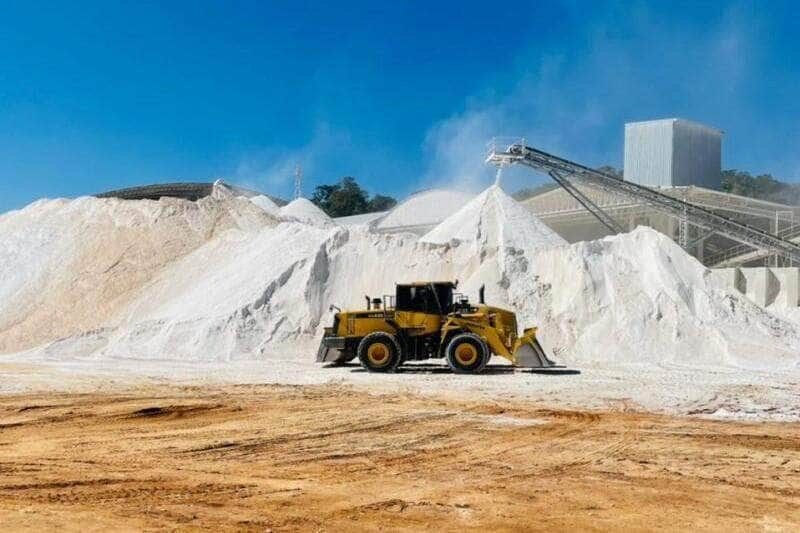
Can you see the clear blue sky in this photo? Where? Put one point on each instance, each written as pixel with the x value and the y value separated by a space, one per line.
pixel 402 95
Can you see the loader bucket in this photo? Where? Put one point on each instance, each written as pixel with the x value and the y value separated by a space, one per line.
pixel 529 353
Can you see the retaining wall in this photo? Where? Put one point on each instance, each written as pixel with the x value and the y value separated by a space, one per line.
pixel 764 285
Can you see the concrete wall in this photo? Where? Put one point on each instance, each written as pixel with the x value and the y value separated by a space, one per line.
pixel 789 281
pixel 765 286
pixel 761 285
pixel 731 278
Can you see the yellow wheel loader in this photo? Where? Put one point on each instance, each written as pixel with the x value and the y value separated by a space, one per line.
pixel 425 320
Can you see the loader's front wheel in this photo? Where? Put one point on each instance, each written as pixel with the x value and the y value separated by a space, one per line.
pixel 467 353
pixel 380 352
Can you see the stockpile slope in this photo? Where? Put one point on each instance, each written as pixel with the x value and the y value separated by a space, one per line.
pixel 639 298
pixel 246 292
pixel 305 211
pixel 68 265
pixel 633 298
pixel 266 203
pixel 495 220
pixel 424 208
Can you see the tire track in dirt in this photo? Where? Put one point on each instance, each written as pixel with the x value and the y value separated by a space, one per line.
pixel 259 457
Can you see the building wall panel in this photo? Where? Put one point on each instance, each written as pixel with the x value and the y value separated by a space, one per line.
pixel 673 152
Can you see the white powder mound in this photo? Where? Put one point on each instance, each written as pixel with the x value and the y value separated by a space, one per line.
pixel 67 266
pixel 243 293
pixel 494 219
pixel 792 314
pixel 425 208
pixel 229 298
pixel 639 298
pixel 359 220
pixel 266 203
pixel 305 211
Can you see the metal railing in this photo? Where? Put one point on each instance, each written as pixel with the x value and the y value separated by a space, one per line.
pixel 747 252
pixel 502 152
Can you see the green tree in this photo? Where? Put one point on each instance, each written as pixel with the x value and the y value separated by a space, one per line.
pixel 380 202
pixel 322 196
pixel 764 187
pixel 348 198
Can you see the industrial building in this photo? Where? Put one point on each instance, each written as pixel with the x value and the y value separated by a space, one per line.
pixel 185 190
pixel 571 220
pixel 682 159
pixel 673 152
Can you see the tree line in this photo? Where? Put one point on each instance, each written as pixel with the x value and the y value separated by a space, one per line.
pixel 348 198
pixel 763 187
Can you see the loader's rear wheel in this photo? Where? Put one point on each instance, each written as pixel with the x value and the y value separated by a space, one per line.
pixel 467 353
pixel 380 352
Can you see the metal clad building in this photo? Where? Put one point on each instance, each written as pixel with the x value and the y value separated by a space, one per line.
pixel 673 152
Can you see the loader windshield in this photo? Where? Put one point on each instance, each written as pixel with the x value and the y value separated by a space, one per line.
pixel 434 298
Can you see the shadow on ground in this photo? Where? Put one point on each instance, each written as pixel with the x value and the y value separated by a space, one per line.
pixel 432 368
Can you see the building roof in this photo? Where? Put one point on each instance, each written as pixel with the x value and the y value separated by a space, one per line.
pixel 674 120
pixel 185 190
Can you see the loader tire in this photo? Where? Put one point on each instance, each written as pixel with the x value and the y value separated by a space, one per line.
pixel 467 353
pixel 380 352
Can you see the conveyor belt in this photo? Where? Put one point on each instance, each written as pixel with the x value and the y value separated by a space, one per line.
pixel 501 153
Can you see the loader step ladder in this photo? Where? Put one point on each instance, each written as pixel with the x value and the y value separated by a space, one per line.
pixel 567 173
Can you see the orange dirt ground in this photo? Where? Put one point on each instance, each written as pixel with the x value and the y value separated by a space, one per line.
pixel 330 458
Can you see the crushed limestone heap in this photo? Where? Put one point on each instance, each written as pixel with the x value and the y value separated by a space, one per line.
pixel 494 219
pixel 422 210
pixel 305 211
pixel 222 279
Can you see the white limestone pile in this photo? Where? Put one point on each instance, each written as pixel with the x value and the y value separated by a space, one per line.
pixel 66 266
pixel 220 280
pixel 494 219
pixel 640 298
pixel 228 299
pixel 305 211
pixel 424 208
pixel 636 297
pixel 266 203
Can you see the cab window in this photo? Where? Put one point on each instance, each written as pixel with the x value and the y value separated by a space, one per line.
pixel 412 298
pixel 422 299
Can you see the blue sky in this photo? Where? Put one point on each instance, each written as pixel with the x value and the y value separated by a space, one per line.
pixel 402 95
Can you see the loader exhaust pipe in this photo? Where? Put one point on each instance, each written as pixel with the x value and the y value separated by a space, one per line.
pixel 481 294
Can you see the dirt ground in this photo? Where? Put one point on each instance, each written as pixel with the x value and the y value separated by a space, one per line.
pixel 331 458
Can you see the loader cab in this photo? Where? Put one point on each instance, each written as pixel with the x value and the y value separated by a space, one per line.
pixel 434 298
